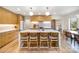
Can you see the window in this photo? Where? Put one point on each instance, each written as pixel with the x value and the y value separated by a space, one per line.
pixel 73 23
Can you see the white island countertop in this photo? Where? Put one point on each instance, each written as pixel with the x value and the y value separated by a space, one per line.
pixel 39 30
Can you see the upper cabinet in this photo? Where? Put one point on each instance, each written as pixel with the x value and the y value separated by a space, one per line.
pixel 20 17
pixel 40 18
pixel 53 24
pixel 7 17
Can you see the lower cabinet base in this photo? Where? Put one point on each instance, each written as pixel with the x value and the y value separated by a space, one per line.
pixel 7 37
pixel 6 44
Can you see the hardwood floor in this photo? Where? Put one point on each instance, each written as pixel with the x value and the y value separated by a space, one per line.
pixel 13 47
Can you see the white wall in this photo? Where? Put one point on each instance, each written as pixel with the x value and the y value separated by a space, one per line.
pixel 65 23
pixel 27 22
pixel 21 25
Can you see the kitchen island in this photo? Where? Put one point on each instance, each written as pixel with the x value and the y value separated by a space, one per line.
pixel 39 38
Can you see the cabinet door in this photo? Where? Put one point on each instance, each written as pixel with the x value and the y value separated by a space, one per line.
pixel 7 37
pixel 53 24
pixel 0 40
pixel 7 17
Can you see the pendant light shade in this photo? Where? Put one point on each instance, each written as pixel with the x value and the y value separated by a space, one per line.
pixel 47 12
pixel 31 13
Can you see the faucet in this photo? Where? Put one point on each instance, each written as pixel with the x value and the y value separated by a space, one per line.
pixel 42 28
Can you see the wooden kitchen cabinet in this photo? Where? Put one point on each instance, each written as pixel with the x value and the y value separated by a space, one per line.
pixel 7 37
pixel 53 24
pixel 7 17
pixel 40 18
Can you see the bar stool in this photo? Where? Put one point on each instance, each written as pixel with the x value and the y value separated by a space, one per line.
pixel 43 36
pixel 53 40
pixel 44 40
pixel 33 40
pixel 53 36
pixel 24 36
pixel 24 40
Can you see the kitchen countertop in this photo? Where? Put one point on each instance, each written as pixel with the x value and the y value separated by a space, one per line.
pixel 7 27
pixel 39 30
pixel 2 31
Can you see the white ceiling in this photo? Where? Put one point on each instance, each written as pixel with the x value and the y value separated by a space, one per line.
pixel 54 10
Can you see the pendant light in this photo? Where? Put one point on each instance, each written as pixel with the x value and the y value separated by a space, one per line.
pixel 31 13
pixel 47 12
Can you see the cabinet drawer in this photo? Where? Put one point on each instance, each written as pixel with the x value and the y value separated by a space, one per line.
pixel 7 37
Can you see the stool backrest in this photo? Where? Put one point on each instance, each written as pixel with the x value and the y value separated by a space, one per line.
pixel 24 34
pixel 44 34
pixel 33 34
pixel 54 34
